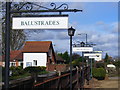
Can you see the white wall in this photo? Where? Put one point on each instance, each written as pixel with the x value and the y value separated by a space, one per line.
pixel 96 56
pixel 40 57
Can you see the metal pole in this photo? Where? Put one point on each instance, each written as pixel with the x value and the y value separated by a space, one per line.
pixel 82 69
pixel 7 45
pixel 86 38
pixel 91 69
pixel 70 62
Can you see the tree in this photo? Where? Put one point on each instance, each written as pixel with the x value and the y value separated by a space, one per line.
pixel 106 59
pixel 17 37
pixel 75 56
pixel 65 56
pixel 117 64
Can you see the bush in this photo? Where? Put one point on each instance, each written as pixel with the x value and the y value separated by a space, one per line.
pixel 100 65
pixel 43 68
pixel 33 69
pixel 16 71
pixel 99 73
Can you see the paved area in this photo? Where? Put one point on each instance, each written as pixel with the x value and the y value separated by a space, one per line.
pixel 111 82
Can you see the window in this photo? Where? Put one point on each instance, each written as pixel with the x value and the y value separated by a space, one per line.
pixel 35 62
pixel 13 64
pixel 21 64
pixel 28 64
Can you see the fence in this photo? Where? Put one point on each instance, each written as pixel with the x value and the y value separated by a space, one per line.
pixel 63 80
pixel 57 80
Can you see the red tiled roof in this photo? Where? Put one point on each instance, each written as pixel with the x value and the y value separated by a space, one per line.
pixel 19 56
pixel 36 46
pixel 13 54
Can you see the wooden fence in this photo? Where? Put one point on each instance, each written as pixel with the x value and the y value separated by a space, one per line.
pixel 63 80
pixel 57 80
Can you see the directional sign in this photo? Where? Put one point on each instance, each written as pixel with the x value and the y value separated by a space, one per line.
pixel 96 56
pixel 82 49
pixel 40 22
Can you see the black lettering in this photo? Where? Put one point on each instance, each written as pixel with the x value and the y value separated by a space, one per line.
pixel 22 23
pixel 42 22
pixel 46 23
pixel 57 23
pixel 36 23
pixel 26 23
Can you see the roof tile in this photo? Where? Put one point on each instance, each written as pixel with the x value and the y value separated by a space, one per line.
pixel 36 46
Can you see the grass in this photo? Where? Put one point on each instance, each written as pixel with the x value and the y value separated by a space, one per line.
pixel 27 74
pixel 43 72
pixel 20 76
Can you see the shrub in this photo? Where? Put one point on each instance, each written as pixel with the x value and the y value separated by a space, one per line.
pixel 99 65
pixel 33 69
pixel 12 68
pixel 99 73
pixel 43 68
pixel 16 71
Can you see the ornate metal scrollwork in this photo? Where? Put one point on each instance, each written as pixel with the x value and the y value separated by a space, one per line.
pixel 30 6
pixel 65 6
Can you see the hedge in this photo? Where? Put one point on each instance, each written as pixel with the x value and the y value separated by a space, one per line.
pixel 34 69
pixel 99 73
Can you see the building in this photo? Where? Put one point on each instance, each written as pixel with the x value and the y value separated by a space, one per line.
pixel 33 53
pixel 13 60
pixel 38 53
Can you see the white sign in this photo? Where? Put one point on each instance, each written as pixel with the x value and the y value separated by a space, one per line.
pixel 82 49
pixel 40 22
pixel 96 56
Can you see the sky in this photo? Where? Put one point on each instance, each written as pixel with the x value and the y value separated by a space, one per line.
pixel 99 20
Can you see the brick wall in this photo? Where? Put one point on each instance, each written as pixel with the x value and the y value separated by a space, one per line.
pixel 57 67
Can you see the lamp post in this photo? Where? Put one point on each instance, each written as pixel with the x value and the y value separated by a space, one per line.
pixel 71 32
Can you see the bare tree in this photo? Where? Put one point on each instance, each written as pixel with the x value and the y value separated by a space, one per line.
pixel 17 37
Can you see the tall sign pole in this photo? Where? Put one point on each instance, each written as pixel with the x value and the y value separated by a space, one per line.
pixel 7 45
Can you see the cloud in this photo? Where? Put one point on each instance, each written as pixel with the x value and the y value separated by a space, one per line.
pixel 61 45
pixel 62 35
pixel 115 27
pixel 39 35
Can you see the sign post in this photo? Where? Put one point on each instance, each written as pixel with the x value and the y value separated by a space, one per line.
pixel 29 7
pixel 7 45
pixel 82 49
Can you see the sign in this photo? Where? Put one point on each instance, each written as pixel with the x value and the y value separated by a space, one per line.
pixel 96 56
pixel 82 49
pixel 40 22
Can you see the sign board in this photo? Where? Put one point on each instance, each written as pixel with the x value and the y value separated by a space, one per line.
pixel 96 56
pixel 40 22
pixel 82 49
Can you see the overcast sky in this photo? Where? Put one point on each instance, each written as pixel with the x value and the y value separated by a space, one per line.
pixel 99 20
